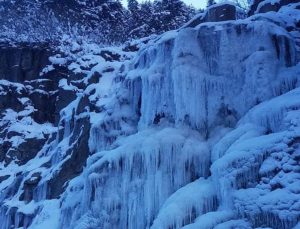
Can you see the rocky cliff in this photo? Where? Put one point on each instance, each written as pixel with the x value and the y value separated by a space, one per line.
pixel 197 128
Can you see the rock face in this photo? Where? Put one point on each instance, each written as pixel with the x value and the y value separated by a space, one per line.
pixel 215 13
pixel 262 6
pixel 186 131
pixel 223 12
pixel 23 63
pixel 27 101
pixel 214 73
pixel 45 125
pixel 191 79
pixel 31 101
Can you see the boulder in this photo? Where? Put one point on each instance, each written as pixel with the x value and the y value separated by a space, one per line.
pixel 221 12
pixel 215 13
pixel 263 6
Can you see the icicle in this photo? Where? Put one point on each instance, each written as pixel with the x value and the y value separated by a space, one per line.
pixel 131 182
pixel 40 192
pixel 186 204
pixel 211 219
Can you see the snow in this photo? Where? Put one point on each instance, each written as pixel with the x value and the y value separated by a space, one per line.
pixel 24 125
pixel 17 86
pixel 200 80
pixel 63 83
pixel 190 132
pixel 228 141
pixel 48 216
pixel 267 155
pixel 138 161
pixel 57 60
pixel 195 198
pixel 234 224
pixel 271 113
pixel 211 219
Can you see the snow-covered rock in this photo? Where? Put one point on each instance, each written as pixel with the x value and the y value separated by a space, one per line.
pixel 192 77
pixel 198 128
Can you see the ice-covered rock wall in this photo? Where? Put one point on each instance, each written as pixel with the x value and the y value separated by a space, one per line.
pixel 46 124
pixel 198 129
pixel 213 74
pixel 199 81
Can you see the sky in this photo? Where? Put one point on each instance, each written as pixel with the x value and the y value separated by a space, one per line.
pixel 195 3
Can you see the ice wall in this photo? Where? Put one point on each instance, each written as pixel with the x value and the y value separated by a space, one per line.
pixel 212 74
pixel 199 130
pixel 258 174
pixel 187 88
pixel 182 87
pixel 130 183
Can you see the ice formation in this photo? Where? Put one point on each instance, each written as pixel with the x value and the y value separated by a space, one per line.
pixel 192 131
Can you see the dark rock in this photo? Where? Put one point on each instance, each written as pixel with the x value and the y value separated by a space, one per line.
pixel 110 56
pixel 131 47
pixel 13 134
pixel 4 148
pixel 269 7
pixel 13 188
pixel 44 103
pixel 227 116
pixel 78 156
pixel 59 72
pixel 34 180
pixel 158 118
pixel 262 6
pixel 215 13
pixel 65 124
pixel 23 62
pixel 222 12
pixel 25 151
pixel 83 104
pixel 94 78
pixel 10 100
pixel 3 178
pixel 254 6
pixel 64 98
pixel 42 84
pixel 87 68
pixel 29 186
pixel 24 220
